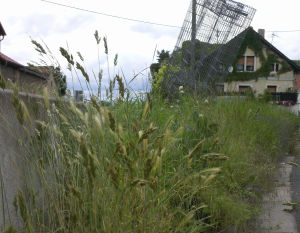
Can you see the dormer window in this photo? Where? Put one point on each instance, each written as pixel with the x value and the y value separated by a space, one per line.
pixel 240 65
pixel 274 67
pixel 246 63
pixel 250 63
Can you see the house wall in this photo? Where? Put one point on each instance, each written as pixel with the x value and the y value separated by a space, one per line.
pixel 51 85
pixel 27 82
pixel 282 81
pixel 260 85
pixel 297 82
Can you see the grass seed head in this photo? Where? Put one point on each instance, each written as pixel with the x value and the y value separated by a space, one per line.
pixel 83 72
pixel 105 45
pixel 121 86
pixel 80 56
pixel 112 122
pixel 38 47
pixel 116 60
pixel 96 35
pixel 2 82
pixel 67 56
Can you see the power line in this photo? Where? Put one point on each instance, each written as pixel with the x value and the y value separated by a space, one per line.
pixel 283 31
pixel 136 20
pixel 109 15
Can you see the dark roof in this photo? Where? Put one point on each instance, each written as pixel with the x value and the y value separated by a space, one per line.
pixel 2 32
pixel 280 54
pixel 274 49
pixel 6 58
pixel 7 61
pixel 243 34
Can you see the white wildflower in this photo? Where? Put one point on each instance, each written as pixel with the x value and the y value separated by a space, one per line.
pixel 181 88
pixel 141 132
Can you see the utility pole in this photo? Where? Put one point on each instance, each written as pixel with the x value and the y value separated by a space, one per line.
pixel 193 36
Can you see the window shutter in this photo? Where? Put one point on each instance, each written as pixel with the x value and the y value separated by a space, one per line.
pixel 250 61
pixel 241 61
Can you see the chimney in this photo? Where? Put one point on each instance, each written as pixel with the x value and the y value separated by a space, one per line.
pixel 262 32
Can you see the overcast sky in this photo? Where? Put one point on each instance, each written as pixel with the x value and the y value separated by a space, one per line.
pixel 134 42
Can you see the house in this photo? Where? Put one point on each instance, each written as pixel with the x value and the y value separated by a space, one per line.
pixel 259 66
pixel 29 80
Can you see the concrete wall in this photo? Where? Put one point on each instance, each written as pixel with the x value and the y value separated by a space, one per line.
pixel 12 157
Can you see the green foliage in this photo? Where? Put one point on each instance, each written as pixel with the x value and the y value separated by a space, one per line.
pixel 158 79
pixel 266 96
pixel 148 166
pixel 297 62
pixel 2 82
pixel 60 80
pixel 162 58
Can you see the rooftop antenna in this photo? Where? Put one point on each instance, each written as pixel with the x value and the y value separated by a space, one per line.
pixel 210 37
pixel 273 36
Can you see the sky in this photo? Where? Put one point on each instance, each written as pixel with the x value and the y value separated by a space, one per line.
pixel 135 43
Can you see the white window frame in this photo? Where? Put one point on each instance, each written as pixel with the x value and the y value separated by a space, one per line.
pixel 245 64
pixel 275 85
pixel 274 71
pixel 245 85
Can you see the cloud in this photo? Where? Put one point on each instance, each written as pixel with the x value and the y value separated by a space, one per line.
pixel 156 32
pixel 44 25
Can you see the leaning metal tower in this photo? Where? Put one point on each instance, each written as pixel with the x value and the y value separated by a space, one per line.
pixel 208 43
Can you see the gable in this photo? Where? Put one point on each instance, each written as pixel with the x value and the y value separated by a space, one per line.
pixel 266 56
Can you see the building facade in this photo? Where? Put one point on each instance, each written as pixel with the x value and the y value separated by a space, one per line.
pixel 28 79
pixel 261 66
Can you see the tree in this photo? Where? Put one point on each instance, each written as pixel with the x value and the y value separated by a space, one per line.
pixel 162 57
pixel 60 80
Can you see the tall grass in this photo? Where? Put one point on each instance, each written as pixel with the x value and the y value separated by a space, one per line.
pixel 148 165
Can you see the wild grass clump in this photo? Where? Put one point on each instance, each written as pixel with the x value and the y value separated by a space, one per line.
pixel 148 166
pixel 145 164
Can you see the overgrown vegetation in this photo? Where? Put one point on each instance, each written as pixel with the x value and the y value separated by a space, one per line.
pixel 146 164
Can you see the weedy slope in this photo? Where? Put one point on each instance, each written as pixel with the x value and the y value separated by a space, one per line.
pixel 149 166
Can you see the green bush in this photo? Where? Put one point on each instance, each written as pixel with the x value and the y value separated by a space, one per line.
pixel 266 96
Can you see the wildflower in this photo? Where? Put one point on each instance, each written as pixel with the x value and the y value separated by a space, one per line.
pixel 181 88
pixel 171 106
pixel 182 92
pixel 206 101
pixel 201 115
